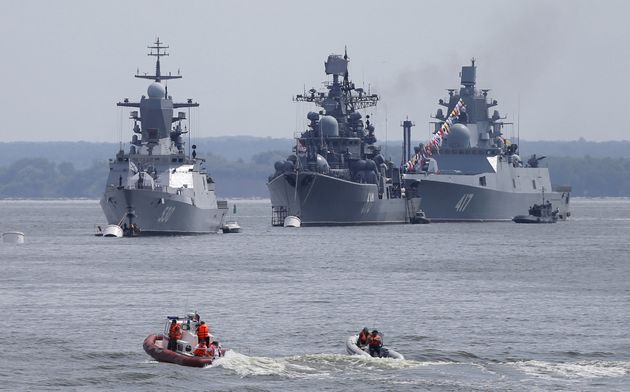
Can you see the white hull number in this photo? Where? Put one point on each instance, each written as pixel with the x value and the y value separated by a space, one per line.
pixel 464 202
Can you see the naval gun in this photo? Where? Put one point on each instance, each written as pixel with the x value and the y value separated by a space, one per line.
pixel 533 160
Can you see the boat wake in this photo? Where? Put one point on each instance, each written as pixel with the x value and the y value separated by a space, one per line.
pixel 311 365
pixel 574 370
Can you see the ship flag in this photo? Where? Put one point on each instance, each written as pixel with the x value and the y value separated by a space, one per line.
pixel 438 137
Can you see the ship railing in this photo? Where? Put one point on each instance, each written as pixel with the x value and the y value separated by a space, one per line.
pixel 450 172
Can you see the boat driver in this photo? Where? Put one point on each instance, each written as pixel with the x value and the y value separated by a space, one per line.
pixel 375 344
pixel 203 333
pixel 174 334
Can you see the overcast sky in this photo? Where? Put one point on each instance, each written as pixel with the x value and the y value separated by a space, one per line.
pixel 65 64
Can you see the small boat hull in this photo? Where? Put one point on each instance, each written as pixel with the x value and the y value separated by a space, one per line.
pixel 292 221
pixel 231 227
pixel 13 237
pixel 113 231
pixel 420 218
pixel 157 352
pixel 534 219
pixel 353 349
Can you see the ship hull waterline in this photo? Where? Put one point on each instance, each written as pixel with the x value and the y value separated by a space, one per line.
pixel 160 213
pixel 454 202
pixel 322 200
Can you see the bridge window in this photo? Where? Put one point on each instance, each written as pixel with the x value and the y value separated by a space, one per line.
pixel 482 180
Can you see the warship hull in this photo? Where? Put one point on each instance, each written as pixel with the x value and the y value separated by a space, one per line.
pixel 445 199
pixel 156 212
pixel 322 200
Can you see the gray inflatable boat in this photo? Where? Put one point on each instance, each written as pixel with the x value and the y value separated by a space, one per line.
pixel 353 349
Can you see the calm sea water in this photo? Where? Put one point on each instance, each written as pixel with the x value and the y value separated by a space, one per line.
pixel 473 307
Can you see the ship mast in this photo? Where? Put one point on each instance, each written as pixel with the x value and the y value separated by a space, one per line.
pixel 160 50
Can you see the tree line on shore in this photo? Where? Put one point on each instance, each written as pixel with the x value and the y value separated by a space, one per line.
pixel 43 178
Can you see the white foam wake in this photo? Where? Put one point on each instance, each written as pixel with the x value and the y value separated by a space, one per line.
pixel 574 370
pixel 311 365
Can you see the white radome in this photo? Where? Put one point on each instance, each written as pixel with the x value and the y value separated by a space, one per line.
pixel 156 90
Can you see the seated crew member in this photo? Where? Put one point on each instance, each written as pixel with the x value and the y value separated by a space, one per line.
pixel 203 333
pixel 201 350
pixel 364 337
pixel 375 344
pixel 174 334
pixel 216 348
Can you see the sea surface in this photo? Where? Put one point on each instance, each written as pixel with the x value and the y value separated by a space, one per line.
pixel 472 307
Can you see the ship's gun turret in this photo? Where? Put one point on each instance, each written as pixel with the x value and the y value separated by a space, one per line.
pixel 533 160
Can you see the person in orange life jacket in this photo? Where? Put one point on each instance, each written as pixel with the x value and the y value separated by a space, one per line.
pixel 203 333
pixel 201 350
pixel 364 337
pixel 174 333
pixel 375 343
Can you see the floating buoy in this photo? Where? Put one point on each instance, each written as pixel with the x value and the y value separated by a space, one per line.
pixel 292 221
pixel 13 237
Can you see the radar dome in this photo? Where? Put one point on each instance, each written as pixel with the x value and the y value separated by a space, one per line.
pixel 322 164
pixel 329 126
pixel 156 90
pixel 355 116
pixel 459 136
pixel 313 116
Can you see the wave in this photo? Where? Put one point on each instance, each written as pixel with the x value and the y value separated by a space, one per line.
pixel 311 365
pixel 574 370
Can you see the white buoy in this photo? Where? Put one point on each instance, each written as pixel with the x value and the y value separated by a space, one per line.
pixel 13 237
pixel 292 221
pixel 113 231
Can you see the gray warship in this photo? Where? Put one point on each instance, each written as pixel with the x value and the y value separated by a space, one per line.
pixel 476 174
pixel 157 187
pixel 338 175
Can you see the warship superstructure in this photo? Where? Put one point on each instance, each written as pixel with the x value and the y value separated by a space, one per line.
pixel 156 187
pixel 338 175
pixel 473 172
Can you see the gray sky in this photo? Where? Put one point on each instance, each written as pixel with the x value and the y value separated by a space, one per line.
pixel 66 63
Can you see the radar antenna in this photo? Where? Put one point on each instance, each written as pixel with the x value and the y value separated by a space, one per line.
pixel 337 66
pixel 160 50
